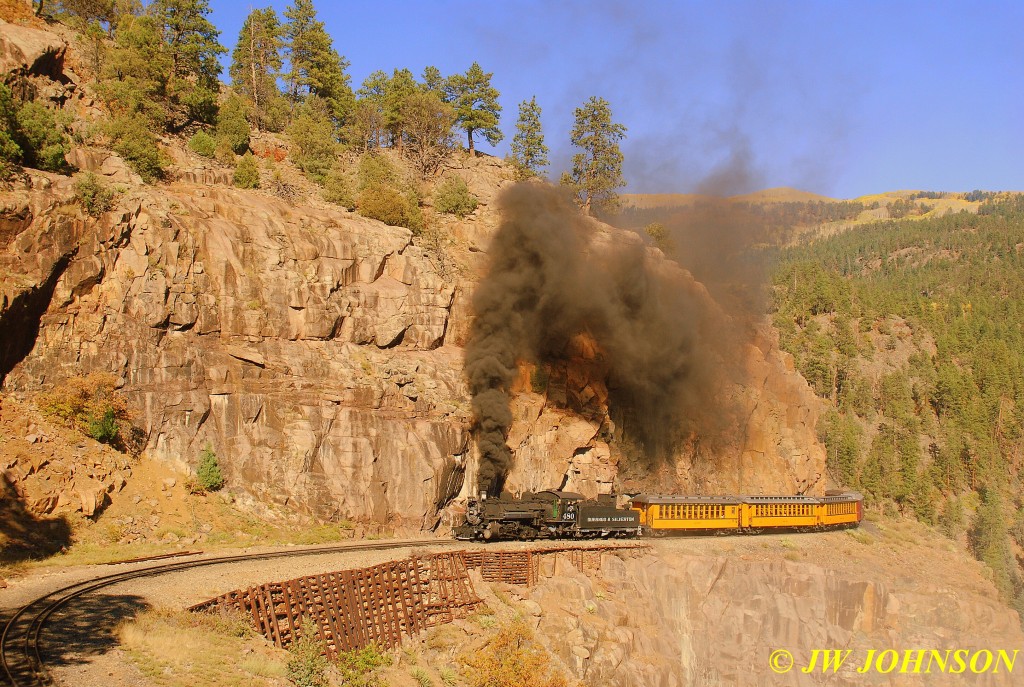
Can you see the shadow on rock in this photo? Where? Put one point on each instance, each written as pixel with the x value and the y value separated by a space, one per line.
pixel 23 536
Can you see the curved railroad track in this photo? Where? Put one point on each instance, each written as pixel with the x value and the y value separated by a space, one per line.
pixel 21 647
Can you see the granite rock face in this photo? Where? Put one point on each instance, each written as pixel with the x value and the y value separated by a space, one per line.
pixel 25 50
pixel 675 619
pixel 305 346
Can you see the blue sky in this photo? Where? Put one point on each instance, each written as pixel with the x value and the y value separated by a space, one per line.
pixel 839 98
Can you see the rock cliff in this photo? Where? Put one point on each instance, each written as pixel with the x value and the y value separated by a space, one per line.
pixel 712 613
pixel 305 345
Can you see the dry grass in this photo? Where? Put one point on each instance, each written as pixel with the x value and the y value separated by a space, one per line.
pixel 512 658
pixel 179 649
pixel 445 638
pixel 861 537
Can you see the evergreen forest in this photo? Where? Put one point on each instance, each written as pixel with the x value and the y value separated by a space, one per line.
pixel 913 331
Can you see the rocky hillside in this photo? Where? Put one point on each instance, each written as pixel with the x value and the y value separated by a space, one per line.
pixel 316 352
pixel 713 611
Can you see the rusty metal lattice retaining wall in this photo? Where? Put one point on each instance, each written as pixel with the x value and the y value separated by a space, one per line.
pixel 350 609
pixel 523 567
pixel 511 567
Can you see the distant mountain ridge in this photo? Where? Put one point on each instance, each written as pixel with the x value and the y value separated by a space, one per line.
pixel 780 194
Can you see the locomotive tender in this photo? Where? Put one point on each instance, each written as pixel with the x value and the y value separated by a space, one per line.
pixel 555 514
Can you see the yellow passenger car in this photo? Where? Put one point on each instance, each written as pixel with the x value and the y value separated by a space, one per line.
pixel 838 508
pixel 766 512
pixel 662 514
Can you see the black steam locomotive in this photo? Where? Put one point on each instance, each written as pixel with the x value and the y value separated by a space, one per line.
pixel 547 515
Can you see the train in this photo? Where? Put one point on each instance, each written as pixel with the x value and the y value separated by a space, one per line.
pixel 556 514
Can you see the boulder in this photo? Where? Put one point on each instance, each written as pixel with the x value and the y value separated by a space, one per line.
pixel 28 51
pixel 92 494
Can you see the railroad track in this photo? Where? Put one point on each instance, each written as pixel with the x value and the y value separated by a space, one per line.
pixel 22 652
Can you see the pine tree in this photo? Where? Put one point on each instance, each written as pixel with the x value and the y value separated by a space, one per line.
pixel 476 104
pixel 314 148
pixel 136 74
pixel 990 543
pixel 315 67
pixel 428 131
pixel 365 130
pixel 191 41
pixel 91 10
pixel 434 82
pixel 398 90
pixel 529 154
pixel 388 96
pixel 256 61
pixel 597 170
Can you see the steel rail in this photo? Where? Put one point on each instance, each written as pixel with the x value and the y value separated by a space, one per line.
pixel 31 637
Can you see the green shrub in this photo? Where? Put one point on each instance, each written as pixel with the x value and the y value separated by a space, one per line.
pixel 203 144
pixel 104 429
pixel 93 195
pixel 337 189
pixel 199 103
pixel 452 197
pixel 307 665
pixel 414 215
pixel 314 144
pixel 134 141
pixel 91 405
pixel 10 151
pixel 375 170
pixel 208 475
pixel 225 154
pixel 247 173
pixel 42 140
pixel 386 204
pixel 512 658
pixel 233 124
pixel 421 677
pixel 276 113
pixel 357 666
pixel 1017 527
pixel 660 236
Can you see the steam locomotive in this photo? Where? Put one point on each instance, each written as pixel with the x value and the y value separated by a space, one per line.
pixel 549 514
pixel 557 514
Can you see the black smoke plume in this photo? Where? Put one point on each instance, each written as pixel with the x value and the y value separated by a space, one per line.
pixel 555 274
